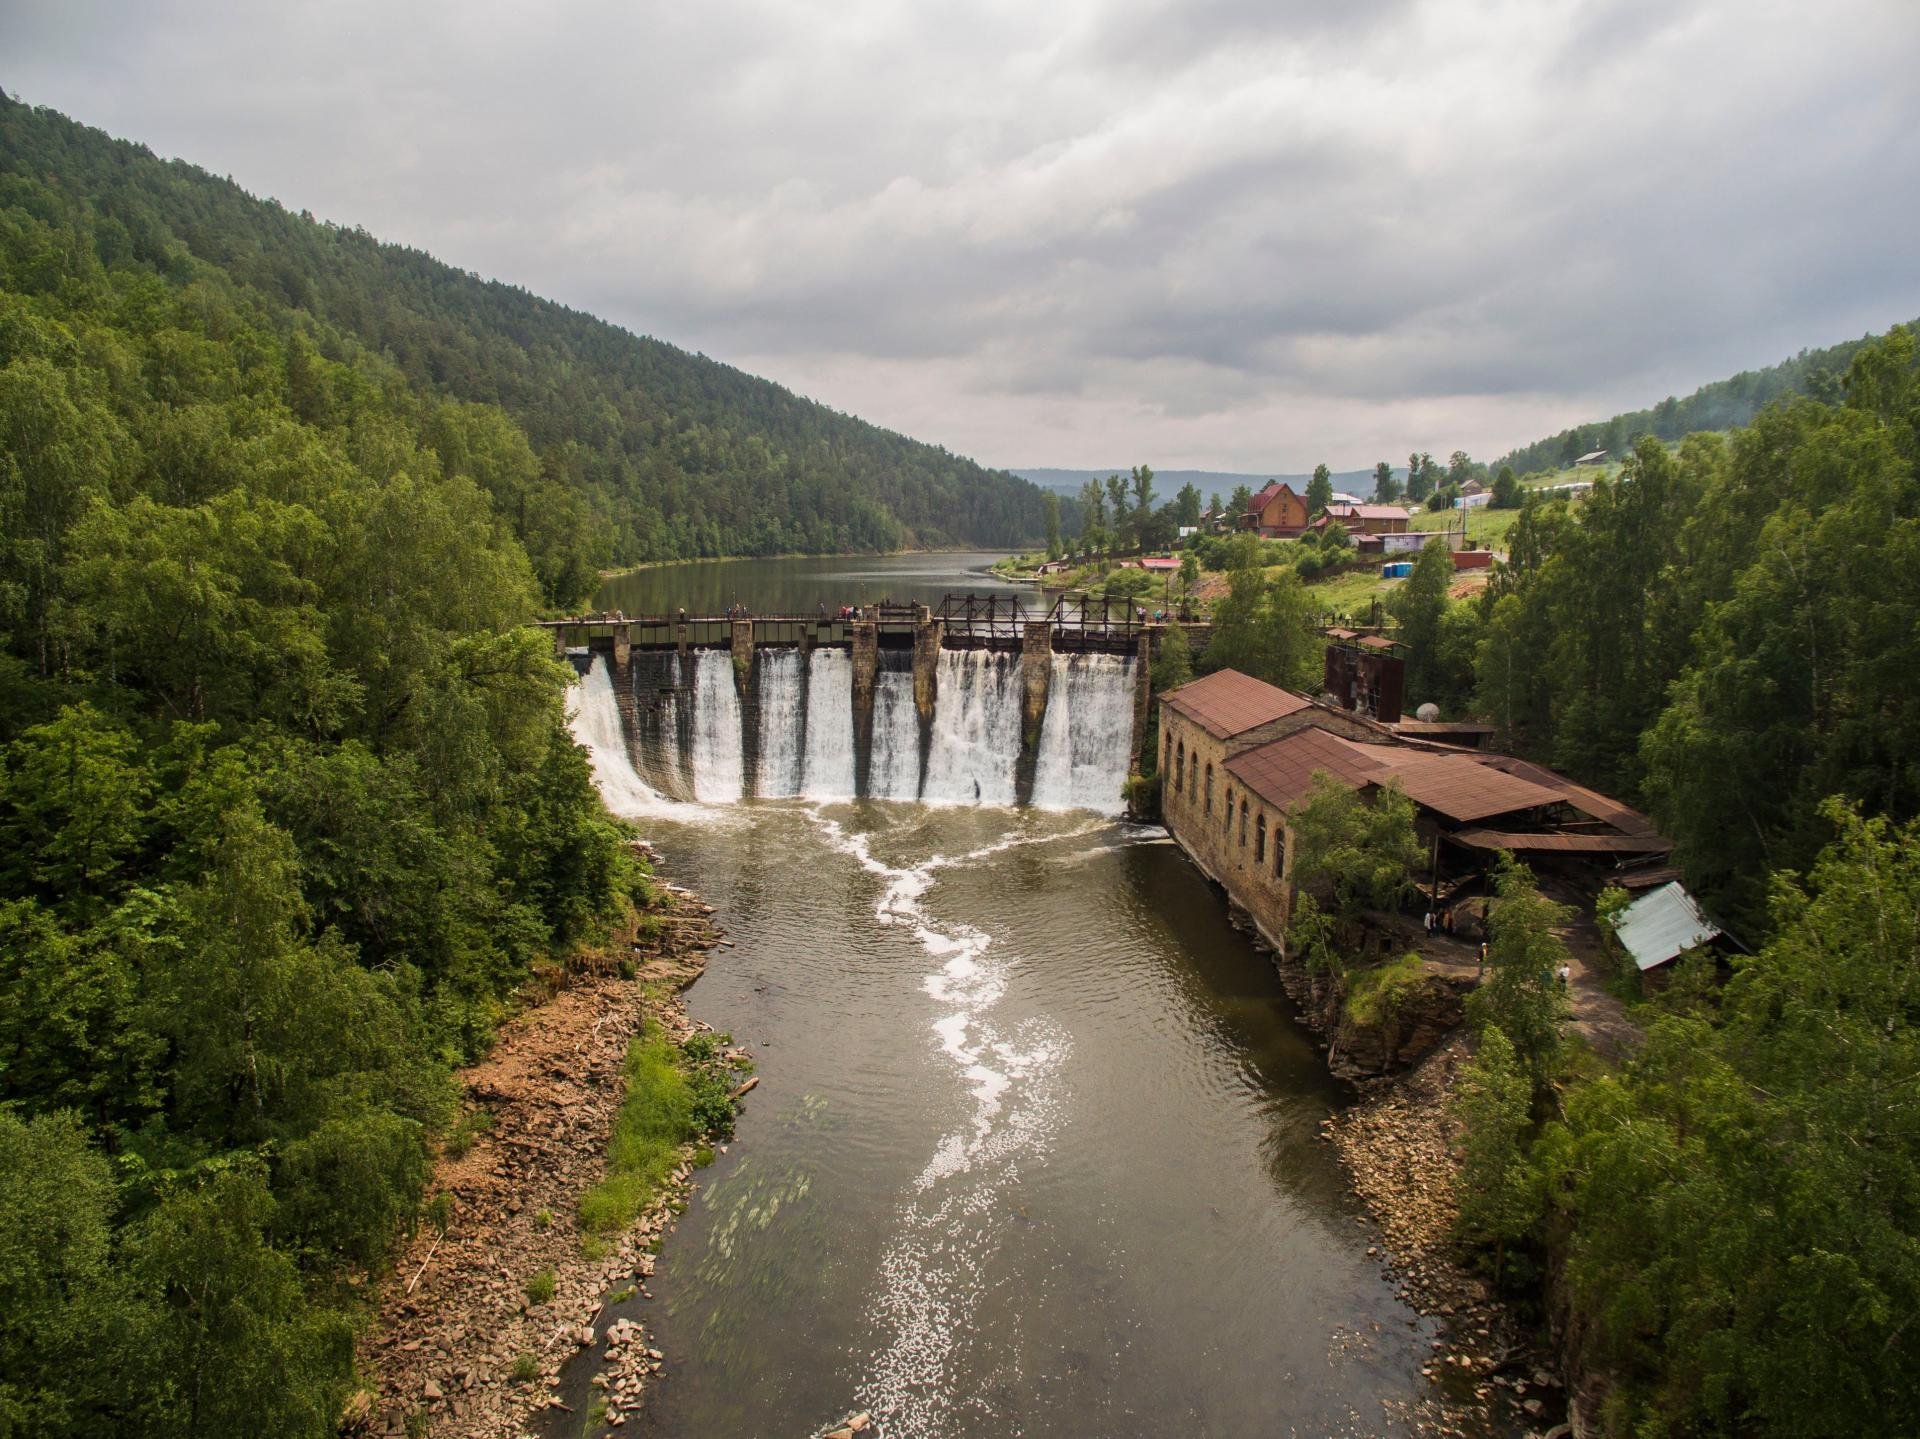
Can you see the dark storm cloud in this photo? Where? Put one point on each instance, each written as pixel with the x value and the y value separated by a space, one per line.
pixel 1226 233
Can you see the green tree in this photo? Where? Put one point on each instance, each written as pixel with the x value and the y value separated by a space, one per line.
pixel 1189 574
pixel 1500 1191
pixel 1186 506
pixel 1319 490
pixel 1419 607
pixel 1521 995
pixel 1386 489
pixel 1351 854
pixel 1506 490
pixel 1173 660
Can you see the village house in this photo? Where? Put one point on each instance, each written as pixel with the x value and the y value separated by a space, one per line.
pixel 1361 519
pixel 1276 513
pixel 1239 755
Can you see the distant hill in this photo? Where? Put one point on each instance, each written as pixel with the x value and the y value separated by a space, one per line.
pixel 1070 482
pixel 674 454
pixel 1722 405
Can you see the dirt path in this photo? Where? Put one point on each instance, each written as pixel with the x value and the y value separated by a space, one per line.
pixel 459 1348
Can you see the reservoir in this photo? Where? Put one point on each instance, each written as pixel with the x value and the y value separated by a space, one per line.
pixel 1036 1144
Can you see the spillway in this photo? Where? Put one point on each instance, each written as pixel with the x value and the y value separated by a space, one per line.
pixel 696 718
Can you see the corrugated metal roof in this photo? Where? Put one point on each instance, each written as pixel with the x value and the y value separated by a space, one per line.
pixel 1229 703
pixel 1281 773
pixel 1662 926
pixel 1589 802
pixel 1563 843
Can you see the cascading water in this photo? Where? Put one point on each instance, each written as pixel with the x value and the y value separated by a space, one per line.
pixel 829 767
pixel 689 727
pixel 893 770
pixel 717 763
pixel 976 729
pixel 783 722
pixel 594 715
pixel 1087 737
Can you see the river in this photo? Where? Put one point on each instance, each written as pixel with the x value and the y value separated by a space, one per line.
pixel 1036 1144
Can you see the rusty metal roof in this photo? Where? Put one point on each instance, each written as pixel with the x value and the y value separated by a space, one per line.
pixel 1378 642
pixel 1563 843
pixel 1589 802
pixel 1281 773
pixel 1461 786
pixel 1228 703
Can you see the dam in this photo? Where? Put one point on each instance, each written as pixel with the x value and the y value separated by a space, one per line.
pixel 973 701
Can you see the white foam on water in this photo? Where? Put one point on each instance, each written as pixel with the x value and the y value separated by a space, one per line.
pixel 931 1271
pixel 593 714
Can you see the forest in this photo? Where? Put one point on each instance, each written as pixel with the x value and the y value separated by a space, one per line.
pixel 630 450
pixel 290 815
pixel 1728 633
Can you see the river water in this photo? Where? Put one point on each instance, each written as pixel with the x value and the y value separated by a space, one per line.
pixel 1036 1144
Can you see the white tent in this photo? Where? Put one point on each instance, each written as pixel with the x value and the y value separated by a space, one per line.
pixel 1663 925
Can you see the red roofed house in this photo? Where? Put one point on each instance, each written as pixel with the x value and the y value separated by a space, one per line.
pixel 1276 513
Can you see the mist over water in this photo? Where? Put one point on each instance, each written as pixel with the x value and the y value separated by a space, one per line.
pixel 1035 1148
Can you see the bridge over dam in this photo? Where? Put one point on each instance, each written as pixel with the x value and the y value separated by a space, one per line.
pixel 980 699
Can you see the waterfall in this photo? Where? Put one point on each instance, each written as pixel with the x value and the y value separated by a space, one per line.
pixel 783 720
pixel 594 716
pixel 893 771
pixel 1087 736
pixel 716 729
pixel 976 729
pixel 829 767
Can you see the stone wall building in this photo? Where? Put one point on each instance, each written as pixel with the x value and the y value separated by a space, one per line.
pixel 1239 755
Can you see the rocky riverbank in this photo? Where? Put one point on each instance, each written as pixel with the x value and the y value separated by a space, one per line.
pixel 1491 1374
pixel 500 1286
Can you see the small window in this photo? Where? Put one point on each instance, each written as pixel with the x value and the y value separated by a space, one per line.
pixel 1243 822
pixel 1229 819
pixel 1209 788
pixel 1180 769
pixel 1260 840
pixel 1279 852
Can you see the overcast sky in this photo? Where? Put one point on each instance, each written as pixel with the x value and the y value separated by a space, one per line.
pixel 1229 234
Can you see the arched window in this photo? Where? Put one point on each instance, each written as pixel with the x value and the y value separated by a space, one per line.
pixel 1243 821
pixel 1180 769
pixel 1209 786
pixel 1279 852
pixel 1229 819
pixel 1260 840
pixel 1166 753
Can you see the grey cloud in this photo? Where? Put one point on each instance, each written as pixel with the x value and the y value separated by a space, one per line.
pixel 1226 233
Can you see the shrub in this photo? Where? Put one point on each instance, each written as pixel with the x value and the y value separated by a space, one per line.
pixel 525 1369
pixel 1377 995
pixel 540 1287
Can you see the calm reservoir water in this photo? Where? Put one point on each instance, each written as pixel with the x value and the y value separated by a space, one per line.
pixel 1035 1148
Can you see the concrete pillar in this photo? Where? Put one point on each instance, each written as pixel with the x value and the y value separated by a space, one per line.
pixel 1036 678
pixel 622 648
pixel 742 653
pixel 559 643
pixel 683 639
pixel 866 668
pixel 927 635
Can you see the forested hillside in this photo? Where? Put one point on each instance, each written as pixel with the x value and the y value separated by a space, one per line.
pixel 638 450
pixel 289 810
pixel 1730 633
pixel 1722 405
